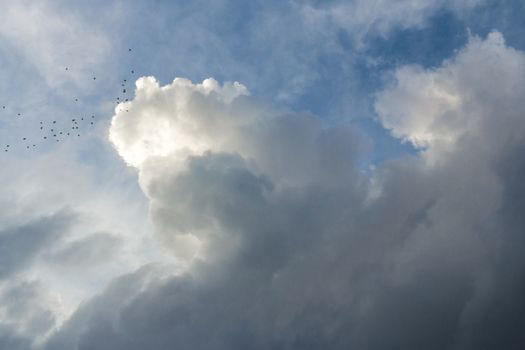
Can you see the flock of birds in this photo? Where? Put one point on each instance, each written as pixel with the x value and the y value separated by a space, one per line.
pixel 57 131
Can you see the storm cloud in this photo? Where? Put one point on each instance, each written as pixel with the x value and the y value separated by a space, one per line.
pixel 286 243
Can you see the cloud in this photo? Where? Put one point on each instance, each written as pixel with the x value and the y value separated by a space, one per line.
pixel 438 110
pixel 295 258
pixel 28 312
pixel 62 238
pixel 87 252
pixel 52 38
pixel 185 136
pixel 21 244
pixel 361 18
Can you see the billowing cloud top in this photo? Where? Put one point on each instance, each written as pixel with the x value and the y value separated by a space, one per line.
pixel 164 120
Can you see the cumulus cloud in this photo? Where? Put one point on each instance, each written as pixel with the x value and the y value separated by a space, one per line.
pixel 185 135
pixel 290 250
pixel 436 110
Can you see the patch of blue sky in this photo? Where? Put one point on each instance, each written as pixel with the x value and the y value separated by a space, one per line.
pixel 506 17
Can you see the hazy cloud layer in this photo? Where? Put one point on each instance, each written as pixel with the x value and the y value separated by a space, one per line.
pixel 361 18
pixel 288 246
pixel 52 38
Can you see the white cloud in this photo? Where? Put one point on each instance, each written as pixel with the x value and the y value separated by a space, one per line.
pixel 435 109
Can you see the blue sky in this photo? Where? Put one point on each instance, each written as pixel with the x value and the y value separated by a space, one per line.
pixel 335 162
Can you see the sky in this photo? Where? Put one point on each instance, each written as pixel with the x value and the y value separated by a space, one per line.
pixel 281 174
